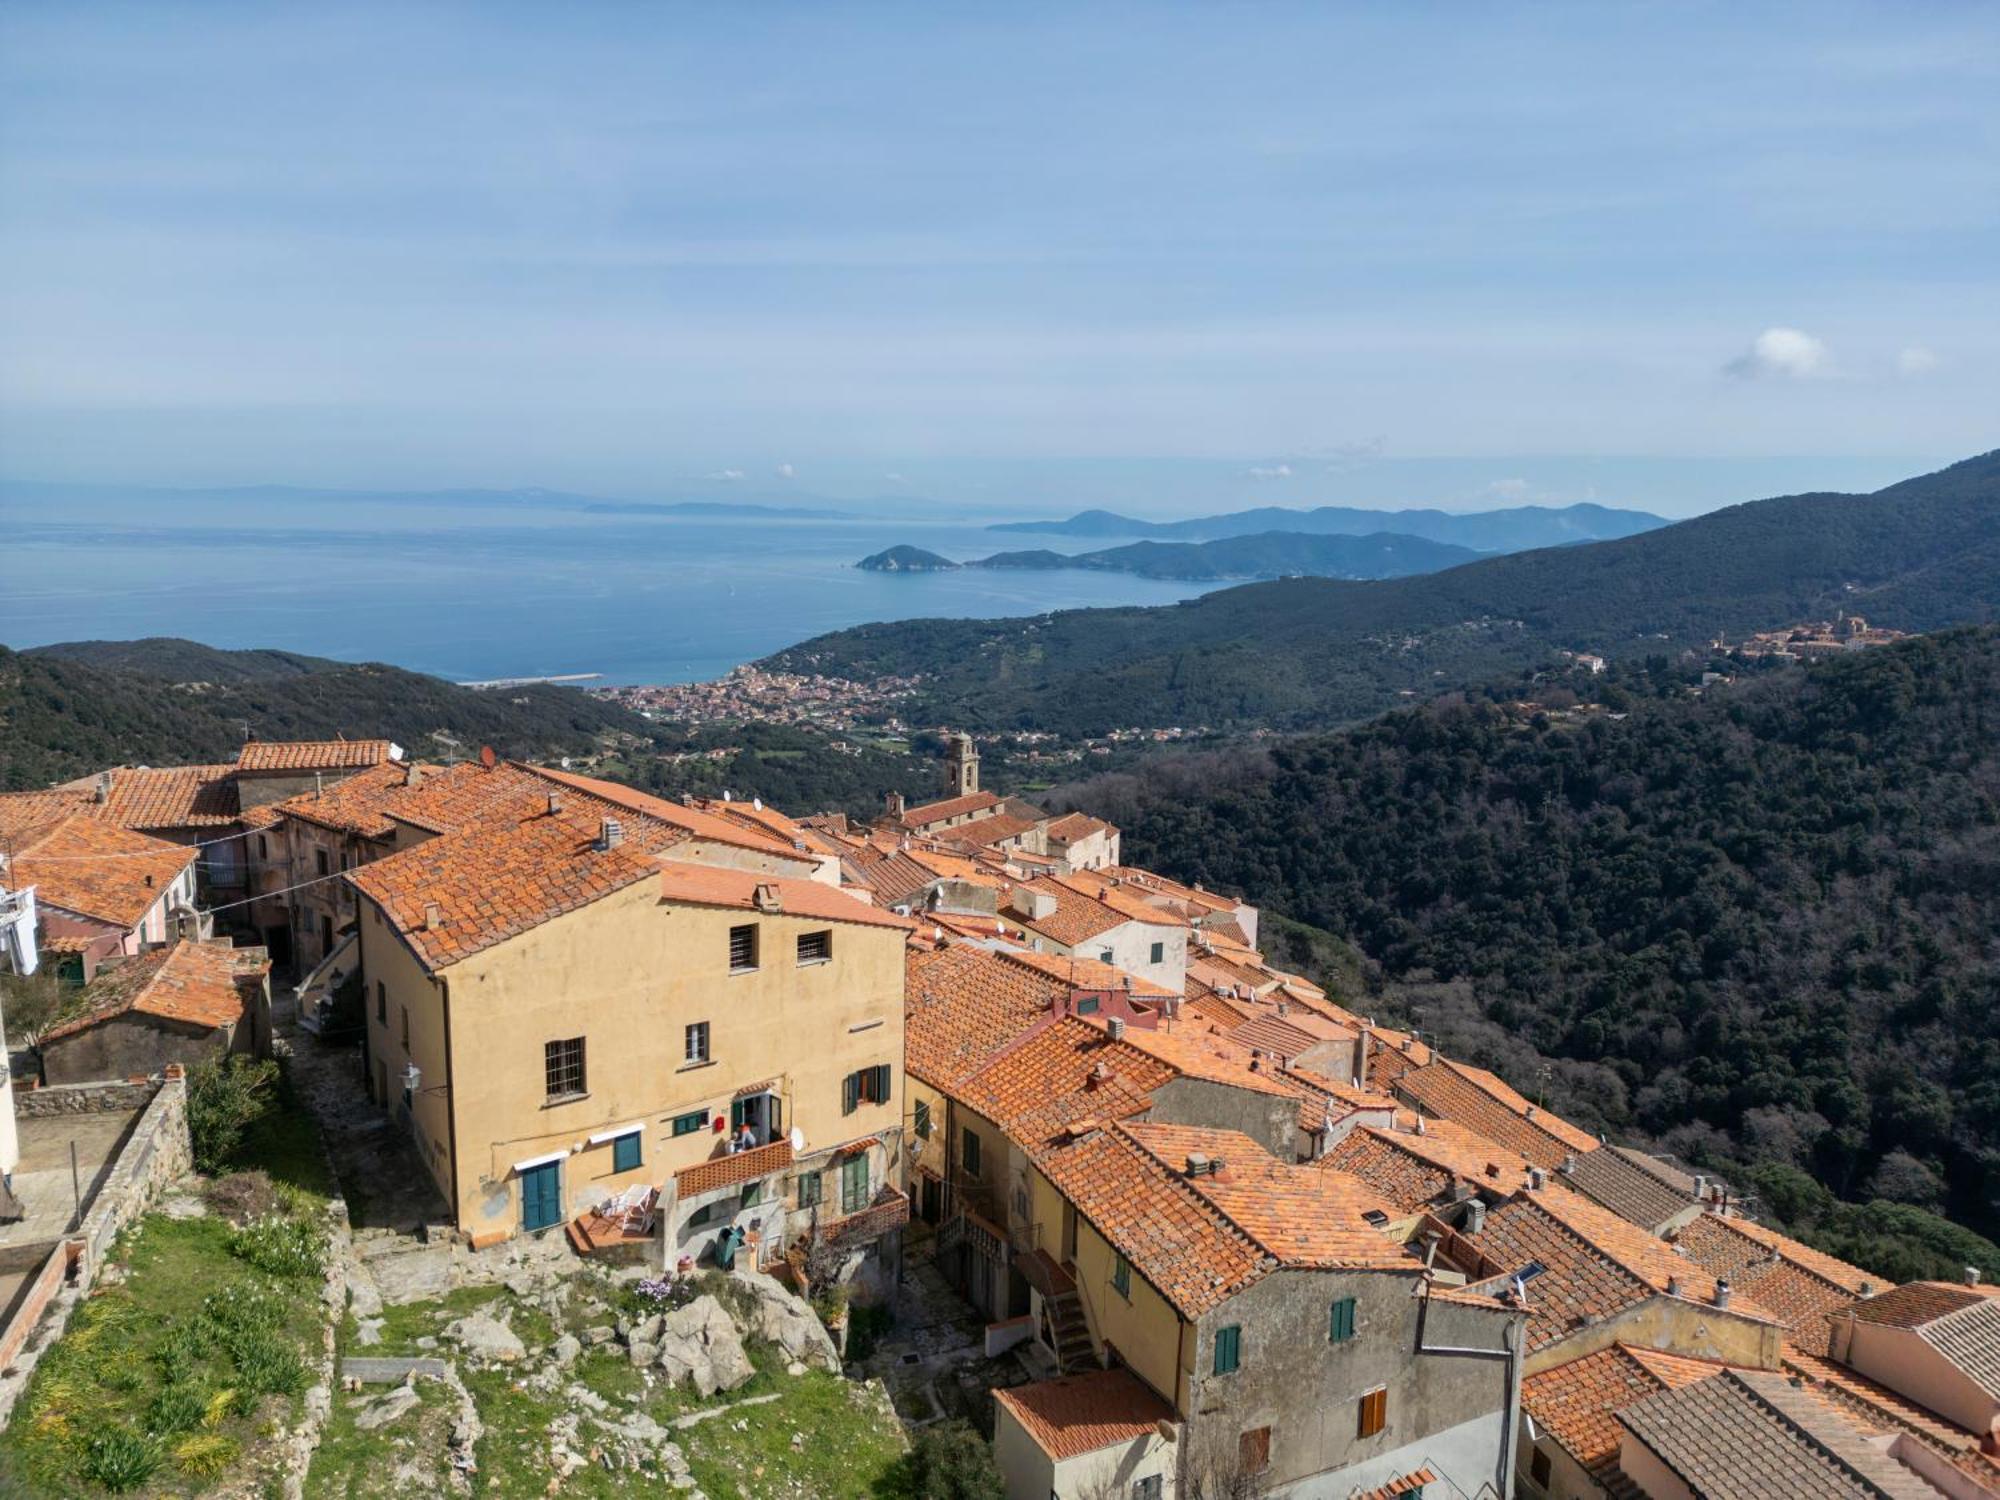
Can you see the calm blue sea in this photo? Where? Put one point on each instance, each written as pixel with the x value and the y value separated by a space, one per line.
pixel 468 593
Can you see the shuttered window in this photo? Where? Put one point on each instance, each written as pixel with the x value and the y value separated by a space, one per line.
pixel 1340 1323
pixel 1374 1413
pixel 743 948
pixel 625 1152
pixel 854 1183
pixel 1254 1450
pixel 1121 1277
pixel 868 1086
pixel 969 1156
pixel 696 1049
pixel 920 1119
pixel 689 1123
pixel 1228 1349
pixel 810 1189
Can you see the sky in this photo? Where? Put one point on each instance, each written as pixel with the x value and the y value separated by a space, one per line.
pixel 1166 258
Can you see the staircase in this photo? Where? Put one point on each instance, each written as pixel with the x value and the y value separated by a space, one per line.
pixel 1070 1333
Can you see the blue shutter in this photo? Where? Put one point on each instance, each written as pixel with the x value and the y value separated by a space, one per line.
pixel 625 1152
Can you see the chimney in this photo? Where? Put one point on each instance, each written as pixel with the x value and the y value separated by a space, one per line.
pixel 1099 1075
pixel 1284 1008
pixel 433 916
pixel 766 898
pixel 1972 1276
pixel 1700 1189
pixel 1361 1039
pixel 1569 1165
pixel 1673 1286
pixel 1721 1292
pixel 555 803
pixel 1537 1178
pixel 610 834
pixel 1475 1217
pixel 412 776
pixel 893 801
pixel 103 792
pixel 1116 1026
pixel 1197 1164
pixel 1528 1113
pixel 319 785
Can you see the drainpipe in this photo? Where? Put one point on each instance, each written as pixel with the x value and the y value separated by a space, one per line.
pixel 450 1099
pixel 1511 1351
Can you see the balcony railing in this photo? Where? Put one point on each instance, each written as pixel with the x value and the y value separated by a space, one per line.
pixel 890 1211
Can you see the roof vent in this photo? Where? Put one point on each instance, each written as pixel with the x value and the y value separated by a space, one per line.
pixel 412 776
pixel 1722 1292
pixel 1972 1276
pixel 103 793
pixel 610 834
pixel 766 898
pixel 1528 1112
pixel 1537 1178
pixel 1197 1164
pixel 1569 1165
pixel 555 803
pixel 433 916
pixel 1673 1286
pixel 1475 1217
pixel 1700 1186
pixel 1099 1076
pixel 1116 1026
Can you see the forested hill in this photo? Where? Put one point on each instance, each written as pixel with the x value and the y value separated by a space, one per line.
pixel 66 710
pixel 1315 652
pixel 1757 923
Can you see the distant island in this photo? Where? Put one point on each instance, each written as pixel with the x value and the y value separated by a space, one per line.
pixel 1272 554
pixel 1515 529
pixel 907 560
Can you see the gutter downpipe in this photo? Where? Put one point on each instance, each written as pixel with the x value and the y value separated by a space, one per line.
pixel 450 1099
pixel 1512 1350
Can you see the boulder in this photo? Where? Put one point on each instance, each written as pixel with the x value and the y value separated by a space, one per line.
pixel 386 1407
pixel 700 1343
pixel 788 1321
pixel 567 1348
pixel 485 1337
pixel 642 1353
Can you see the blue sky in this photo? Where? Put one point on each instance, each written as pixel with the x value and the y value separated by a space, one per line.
pixel 1170 256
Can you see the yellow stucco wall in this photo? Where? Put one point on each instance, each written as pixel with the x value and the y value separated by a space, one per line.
pixel 1676 1327
pixel 627 974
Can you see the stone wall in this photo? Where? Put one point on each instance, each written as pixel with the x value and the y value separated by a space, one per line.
pixel 157 1153
pixel 82 1099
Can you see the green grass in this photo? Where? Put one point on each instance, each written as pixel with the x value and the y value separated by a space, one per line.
pixel 851 1451
pixel 284 1142
pixel 156 1358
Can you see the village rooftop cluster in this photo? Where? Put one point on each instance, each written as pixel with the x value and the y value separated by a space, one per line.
pixel 1238 1237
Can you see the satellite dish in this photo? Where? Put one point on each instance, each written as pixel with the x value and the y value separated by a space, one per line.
pixel 798 1140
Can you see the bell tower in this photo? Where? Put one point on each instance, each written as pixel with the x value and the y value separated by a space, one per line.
pixel 962 769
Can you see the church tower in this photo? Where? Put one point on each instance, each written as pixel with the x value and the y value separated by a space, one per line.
pixel 962 770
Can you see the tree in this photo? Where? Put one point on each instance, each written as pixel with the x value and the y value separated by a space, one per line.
pixel 953 1462
pixel 225 1097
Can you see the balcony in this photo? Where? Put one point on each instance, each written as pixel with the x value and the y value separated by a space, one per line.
pixel 890 1211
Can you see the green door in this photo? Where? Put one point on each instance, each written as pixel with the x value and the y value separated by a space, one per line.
pixel 854 1183
pixel 541 1196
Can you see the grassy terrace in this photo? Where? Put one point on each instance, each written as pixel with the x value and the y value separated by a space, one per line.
pixel 848 1446
pixel 193 1350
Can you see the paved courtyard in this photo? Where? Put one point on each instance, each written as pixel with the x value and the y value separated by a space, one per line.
pixel 45 1187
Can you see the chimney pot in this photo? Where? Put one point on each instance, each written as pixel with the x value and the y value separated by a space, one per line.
pixel 1537 1178
pixel 1972 1276
pixel 610 834
pixel 1116 1026
pixel 1673 1286
pixel 1475 1217
pixel 433 916
pixel 555 803
pixel 1722 1292
pixel 1569 1164
pixel 1530 1114
pixel 1197 1163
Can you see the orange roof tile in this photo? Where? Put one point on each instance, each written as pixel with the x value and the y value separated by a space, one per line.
pixel 949 807
pixel 1071 827
pixel 1576 1402
pixel 97 870
pixel 1916 1303
pixel 157 797
pixel 1049 1080
pixel 1401 1485
pixel 962 1003
pixel 1087 973
pixel 1200 1052
pixel 359 803
pixel 1128 901
pixel 1876 1404
pixel 694 821
pixel 199 984
pixel 1077 1414
pixel 1798 1283
pixel 710 885
pixel 1076 917
pixel 1468 1096
pixel 310 755
pixel 1443 1147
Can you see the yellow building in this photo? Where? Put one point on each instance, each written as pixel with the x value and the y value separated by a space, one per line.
pixel 565 1009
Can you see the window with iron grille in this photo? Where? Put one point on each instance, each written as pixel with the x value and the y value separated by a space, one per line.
pixel 815 947
pixel 743 948
pixel 697 1042
pixel 563 1063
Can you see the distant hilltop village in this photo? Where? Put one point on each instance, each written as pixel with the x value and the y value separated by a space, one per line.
pixel 1202 1227
pixel 1813 638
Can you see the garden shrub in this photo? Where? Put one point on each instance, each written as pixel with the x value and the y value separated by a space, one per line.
pixel 225 1096
pixel 121 1459
pixel 282 1247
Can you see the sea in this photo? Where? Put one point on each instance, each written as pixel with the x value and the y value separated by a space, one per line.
pixel 474 593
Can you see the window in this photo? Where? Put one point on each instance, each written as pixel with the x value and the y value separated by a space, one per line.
pixel 701 1216
pixel 815 947
pixel 697 1042
pixel 920 1119
pixel 689 1123
pixel 743 948
pixel 625 1152
pixel 1253 1449
pixel 1149 1488
pixel 563 1064
pixel 1106 956
pixel 1540 1469
pixel 811 1189
pixel 1228 1349
pixel 1159 953
pixel 969 1154
pixel 319 858
pixel 381 1003
pixel 1088 1006
pixel 1340 1323
pixel 1374 1412
pixel 854 1183
pixel 868 1086
pixel 1121 1277
pixel 753 1194
pixel 406 1026
pixel 263 847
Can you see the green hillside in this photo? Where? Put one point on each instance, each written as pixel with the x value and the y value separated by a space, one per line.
pixel 1309 652
pixel 1270 554
pixel 1756 922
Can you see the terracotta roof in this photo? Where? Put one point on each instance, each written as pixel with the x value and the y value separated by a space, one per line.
pixel 1659 1167
pixel 1627 1189
pixel 694 821
pixel 1077 1414
pixel 359 803
pixel 1920 1302
pixel 1961 1322
pixel 97 869
pixel 950 807
pixel 1751 1432
pixel 1799 1284
pixel 200 984
pixel 1076 917
pixel 149 797
pixel 1129 901
pixel 1401 1485
pixel 1411 1171
pixel 1087 973
pixel 1173 889
pixel 996 829
pixel 1183 1247
pixel 310 755
pixel 961 1004
pixel 1271 1032
pixel 710 885
pixel 1071 827
pixel 893 877
pixel 1200 1052
pixel 737 1166
pixel 1301 1217
pixel 1468 1096
pixel 1576 1403
pixel 1048 1081
pixel 1873 1403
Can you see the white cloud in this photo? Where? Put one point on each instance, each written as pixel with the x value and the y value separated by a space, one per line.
pixel 1271 471
pixel 1508 489
pixel 1915 361
pixel 727 476
pixel 786 471
pixel 1782 354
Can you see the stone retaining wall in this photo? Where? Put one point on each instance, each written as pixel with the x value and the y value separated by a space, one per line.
pixel 156 1153
pixel 82 1098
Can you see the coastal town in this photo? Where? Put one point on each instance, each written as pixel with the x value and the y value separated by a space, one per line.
pixel 1149 1214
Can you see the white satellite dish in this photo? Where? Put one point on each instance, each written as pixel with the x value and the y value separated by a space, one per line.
pixel 798 1140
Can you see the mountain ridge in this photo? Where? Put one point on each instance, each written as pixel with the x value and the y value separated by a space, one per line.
pixel 1509 529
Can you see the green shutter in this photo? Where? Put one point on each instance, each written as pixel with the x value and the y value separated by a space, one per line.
pixel 1228 1348
pixel 625 1152
pixel 884 1083
pixel 850 1093
pixel 1340 1323
pixel 735 1115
